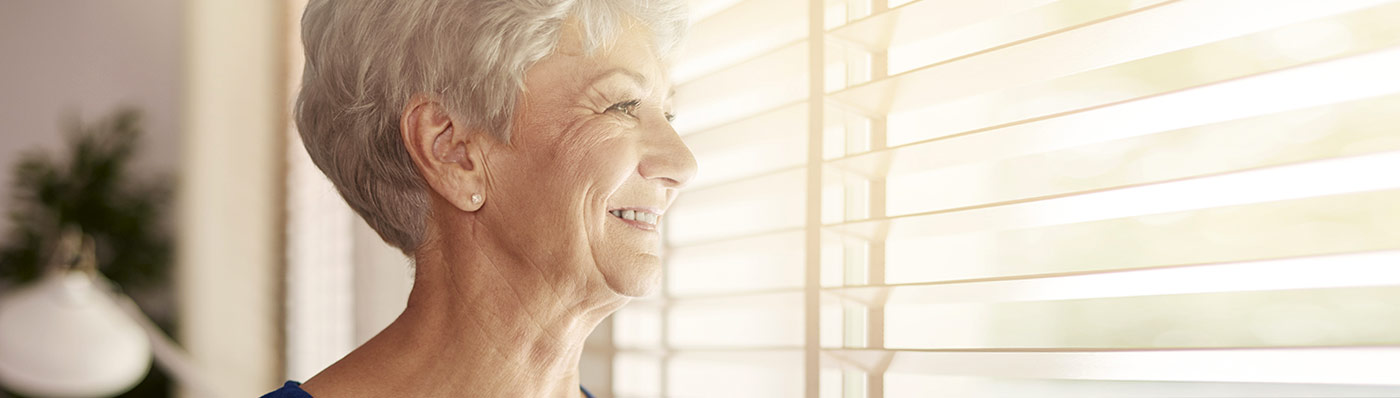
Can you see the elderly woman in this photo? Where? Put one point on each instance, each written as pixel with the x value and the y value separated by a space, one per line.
pixel 521 152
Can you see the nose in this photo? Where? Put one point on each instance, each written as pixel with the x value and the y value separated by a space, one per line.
pixel 665 157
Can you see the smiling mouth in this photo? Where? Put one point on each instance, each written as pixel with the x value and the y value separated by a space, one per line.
pixel 642 219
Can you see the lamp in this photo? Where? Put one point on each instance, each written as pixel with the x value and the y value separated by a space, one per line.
pixel 73 334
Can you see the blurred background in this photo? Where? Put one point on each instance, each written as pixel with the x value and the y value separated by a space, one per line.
pixel 1009 198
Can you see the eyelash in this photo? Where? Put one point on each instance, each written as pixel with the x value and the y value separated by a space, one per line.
pixel 627 107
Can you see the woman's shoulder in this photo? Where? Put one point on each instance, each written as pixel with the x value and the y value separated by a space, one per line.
pixel 291 389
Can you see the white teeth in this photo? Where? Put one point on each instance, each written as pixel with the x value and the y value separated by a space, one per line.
pixel 638 216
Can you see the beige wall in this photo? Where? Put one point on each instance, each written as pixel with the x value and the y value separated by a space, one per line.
pixel 206 74
pixel 88 57
pixel 232 178
pixel 383 278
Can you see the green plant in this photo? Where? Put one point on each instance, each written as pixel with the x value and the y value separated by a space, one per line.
pixel 91 189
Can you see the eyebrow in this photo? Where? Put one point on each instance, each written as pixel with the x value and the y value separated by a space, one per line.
pixel 638 77
pixel 641 79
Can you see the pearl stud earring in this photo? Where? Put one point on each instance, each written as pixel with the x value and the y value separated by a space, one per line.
pixel 476 198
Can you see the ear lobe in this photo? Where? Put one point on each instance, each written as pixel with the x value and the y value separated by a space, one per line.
pixel 440 151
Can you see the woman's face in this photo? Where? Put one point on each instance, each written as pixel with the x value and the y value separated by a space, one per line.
pixel 592 166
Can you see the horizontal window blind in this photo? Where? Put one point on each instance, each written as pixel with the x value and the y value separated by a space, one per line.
pixel 1048 198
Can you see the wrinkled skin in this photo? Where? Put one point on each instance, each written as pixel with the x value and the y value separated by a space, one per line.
pixel 508 287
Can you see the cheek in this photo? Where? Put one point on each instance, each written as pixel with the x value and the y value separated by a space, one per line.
pixel 567 173
pixel 596 153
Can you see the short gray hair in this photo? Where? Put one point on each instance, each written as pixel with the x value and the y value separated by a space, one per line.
pixel 366 58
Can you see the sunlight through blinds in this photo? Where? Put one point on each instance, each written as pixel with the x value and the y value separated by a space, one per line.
pixel 1048 198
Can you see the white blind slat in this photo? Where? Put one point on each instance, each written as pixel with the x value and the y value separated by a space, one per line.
pixel 1126 38
pixel 1283 365
pixel 1351 78
pixel 1339 130
pixel 773 79
pixel 749 147
pixel 1052 198
pixel 741 32
pixel 924 19
pixel 1328 271
pixel 1288 46
pixel 1304 180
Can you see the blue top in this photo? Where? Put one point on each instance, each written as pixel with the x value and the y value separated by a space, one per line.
pixel 293 390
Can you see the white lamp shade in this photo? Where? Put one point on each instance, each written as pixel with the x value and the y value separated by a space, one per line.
pixel 64 337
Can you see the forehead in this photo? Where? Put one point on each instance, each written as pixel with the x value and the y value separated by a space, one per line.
pixel 630 50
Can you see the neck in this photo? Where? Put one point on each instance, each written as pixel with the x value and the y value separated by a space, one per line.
pixel 480 321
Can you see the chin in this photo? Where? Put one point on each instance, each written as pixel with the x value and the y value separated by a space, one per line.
pixel 635 277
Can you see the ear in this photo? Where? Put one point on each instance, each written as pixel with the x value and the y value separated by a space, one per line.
pixel 447 155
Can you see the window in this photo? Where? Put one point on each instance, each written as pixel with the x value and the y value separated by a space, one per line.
pixel 1048 198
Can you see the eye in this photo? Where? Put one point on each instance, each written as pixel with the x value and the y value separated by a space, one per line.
pixel 670 117
pixel 626 107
